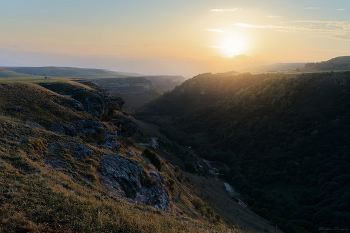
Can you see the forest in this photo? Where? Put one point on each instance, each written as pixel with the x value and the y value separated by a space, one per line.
pixel 284 138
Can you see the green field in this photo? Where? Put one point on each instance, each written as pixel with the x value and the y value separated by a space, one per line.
pixel 10 76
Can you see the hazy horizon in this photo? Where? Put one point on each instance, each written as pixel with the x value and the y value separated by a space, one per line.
pixel 174 38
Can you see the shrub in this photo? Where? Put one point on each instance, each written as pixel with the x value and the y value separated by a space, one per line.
pixel 176 169
pixel 153 158
pixel 197 203
pixel 171 182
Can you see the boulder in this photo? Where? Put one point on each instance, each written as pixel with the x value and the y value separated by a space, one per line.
pixel 127 179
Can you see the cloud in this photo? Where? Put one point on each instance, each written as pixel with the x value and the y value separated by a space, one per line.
pixel 339 30
pixel 340 37
pixel 274 16
pixel 340 9
pixel 311 8
pixel 15 46
pixel 217 30
pixel 345 25
pixel 262 26
pixel 232 9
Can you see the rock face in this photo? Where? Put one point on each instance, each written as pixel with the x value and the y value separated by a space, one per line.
pixel 127 179
pixel 129 125
pixel 100 102
pixel 96 101
pixel 78 150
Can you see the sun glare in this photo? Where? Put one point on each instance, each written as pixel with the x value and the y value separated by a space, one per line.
pixel 233 45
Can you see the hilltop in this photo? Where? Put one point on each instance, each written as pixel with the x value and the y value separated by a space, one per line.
pixel 334 64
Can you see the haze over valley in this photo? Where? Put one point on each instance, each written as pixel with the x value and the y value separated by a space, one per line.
pixel 184 116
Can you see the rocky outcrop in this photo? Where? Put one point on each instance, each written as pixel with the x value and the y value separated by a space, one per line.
pixel 101 102
pixel 34 124
pixel 76 149
pixel 125 178
pixel 64 129
pixel 96 101
pixel 87 126
pixel 126 125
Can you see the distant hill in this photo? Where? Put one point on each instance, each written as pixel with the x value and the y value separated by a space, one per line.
pixel 334 64
pixel 5 73
pixel 276 67
pixel 69 72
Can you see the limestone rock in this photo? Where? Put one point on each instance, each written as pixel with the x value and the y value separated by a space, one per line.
pixel 64 129
pixel 34 124
pixel 127 179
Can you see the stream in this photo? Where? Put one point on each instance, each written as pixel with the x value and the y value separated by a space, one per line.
pixel 228 187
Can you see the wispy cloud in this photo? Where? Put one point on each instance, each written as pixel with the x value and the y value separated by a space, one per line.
pixel 339 30
pixel 274 16
pixel 259 26
pixel 340 37
pixel 217 30
pixel 311 8
pixel 340 9
pixel 344 25
pixel 232 9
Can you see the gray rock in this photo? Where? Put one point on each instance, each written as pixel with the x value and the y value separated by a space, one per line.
pixel 76 149
pixel 111 145
pixel 81 151
pixel 126 179
pixel 87 126
pixel 64 129
pixel 128 123
pixel 34 124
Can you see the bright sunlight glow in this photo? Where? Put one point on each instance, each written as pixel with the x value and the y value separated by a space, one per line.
pixel 233 45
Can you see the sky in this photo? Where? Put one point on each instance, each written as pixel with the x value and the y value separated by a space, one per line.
pixel 184 37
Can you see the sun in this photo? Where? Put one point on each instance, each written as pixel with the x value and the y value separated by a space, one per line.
pixel 233 45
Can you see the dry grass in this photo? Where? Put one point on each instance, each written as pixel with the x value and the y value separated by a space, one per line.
pixel 36 198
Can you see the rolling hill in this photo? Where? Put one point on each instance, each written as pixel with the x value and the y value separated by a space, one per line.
pixel 69 72
pixel 334 64
pixel 5 73
pixel 275 67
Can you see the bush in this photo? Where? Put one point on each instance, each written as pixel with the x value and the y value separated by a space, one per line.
pixel 153 158
pixel 176 169
pixel 171 182
pixel 197 203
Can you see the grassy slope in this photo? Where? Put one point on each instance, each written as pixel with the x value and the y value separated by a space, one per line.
pixel 36 197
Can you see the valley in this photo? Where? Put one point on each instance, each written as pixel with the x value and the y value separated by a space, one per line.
pixel 232 152
pixel 271 132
